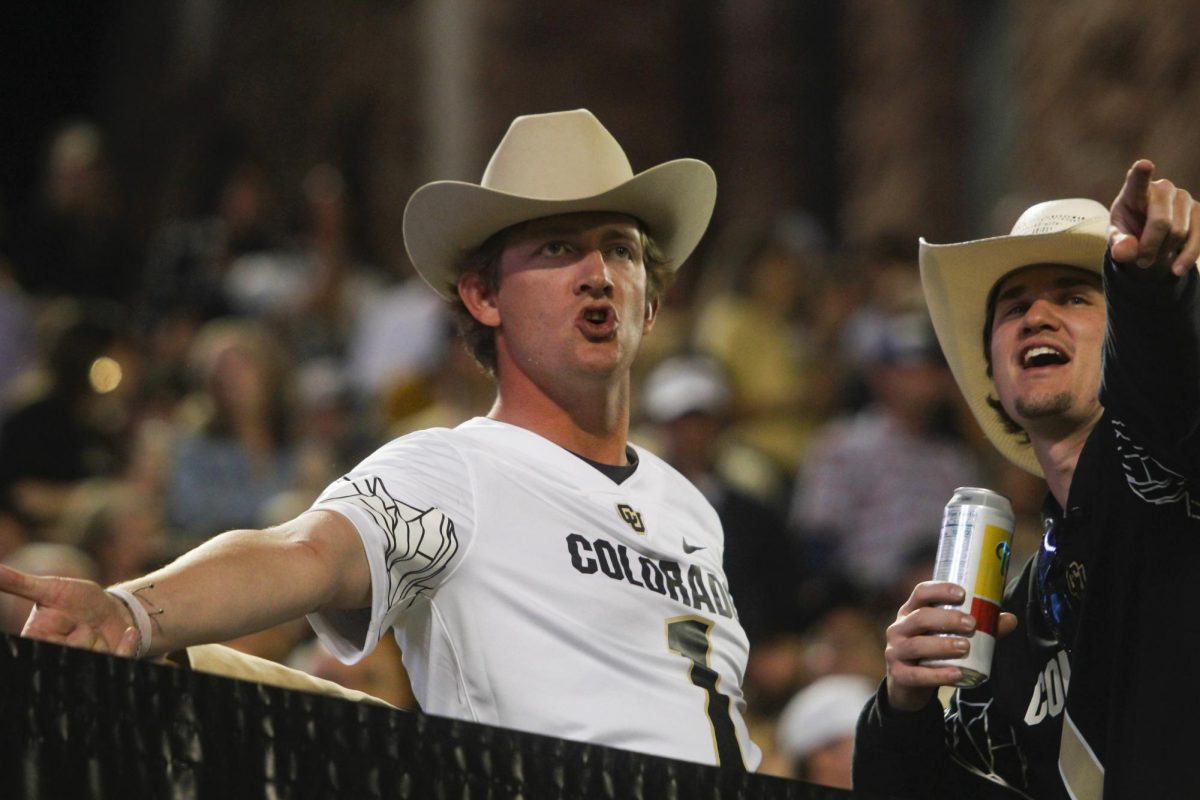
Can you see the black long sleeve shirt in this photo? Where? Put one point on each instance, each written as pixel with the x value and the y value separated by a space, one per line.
pixel 1133 521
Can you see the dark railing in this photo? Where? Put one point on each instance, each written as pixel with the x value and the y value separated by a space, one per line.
pixel 81 725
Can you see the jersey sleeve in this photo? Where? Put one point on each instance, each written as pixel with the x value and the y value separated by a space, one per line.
pixel 411 504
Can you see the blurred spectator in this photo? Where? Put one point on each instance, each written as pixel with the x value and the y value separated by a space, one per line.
pixel 118 527
pixel 329 419
pixel 16 336
pixel 814 738
pixel 769 332
pixel 183 285
pixel 874 485
pixel 846 639
pixel 188 259
pixel 331 440
pixel 77 243
pixel 892 288
pixel 15 529
pixel 453 391
pixel 152 446
pixel 236 450
pixel 401 337
pixel 313 293
pixel 41 558
pixel 70 427
pixel 886 282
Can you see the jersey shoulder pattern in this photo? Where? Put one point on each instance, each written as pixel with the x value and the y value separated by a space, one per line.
pixel 410 502
pixel 419 544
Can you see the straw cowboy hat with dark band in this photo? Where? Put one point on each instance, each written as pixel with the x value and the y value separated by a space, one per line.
pixel 957 279
pixel 550 164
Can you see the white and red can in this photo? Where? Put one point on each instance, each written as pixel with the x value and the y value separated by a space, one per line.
pixel 974 551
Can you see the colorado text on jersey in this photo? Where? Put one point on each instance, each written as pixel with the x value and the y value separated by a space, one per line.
pixel 695 587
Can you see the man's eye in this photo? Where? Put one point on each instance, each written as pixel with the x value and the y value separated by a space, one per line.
pixel 553 249
pixel 1016 309
pixel 622 252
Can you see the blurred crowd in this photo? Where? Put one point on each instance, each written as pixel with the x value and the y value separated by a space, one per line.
pixel 218 373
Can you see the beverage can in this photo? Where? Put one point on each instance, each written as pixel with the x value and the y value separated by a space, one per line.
pixel 974 551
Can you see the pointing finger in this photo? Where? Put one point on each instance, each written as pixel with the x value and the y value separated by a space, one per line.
pixel 1129 211
pixel 27 586
pixel 1137 182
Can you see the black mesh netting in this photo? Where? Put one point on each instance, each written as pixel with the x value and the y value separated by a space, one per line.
pixel 81 725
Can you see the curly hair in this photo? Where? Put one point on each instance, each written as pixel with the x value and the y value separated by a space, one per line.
pixel 480 339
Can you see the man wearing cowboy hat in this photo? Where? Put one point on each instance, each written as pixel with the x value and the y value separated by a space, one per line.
pixel 1088 375
pixel 539 572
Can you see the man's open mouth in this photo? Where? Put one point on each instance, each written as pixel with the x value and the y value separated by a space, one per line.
pixel 1042 356
pixel 598 323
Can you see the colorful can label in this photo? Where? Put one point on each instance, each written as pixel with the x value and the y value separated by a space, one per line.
pixel 974 551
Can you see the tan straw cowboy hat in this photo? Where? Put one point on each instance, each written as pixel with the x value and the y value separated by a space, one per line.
pixel 549 164
pixel 957 279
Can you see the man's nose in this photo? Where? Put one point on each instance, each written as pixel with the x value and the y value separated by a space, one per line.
pixel 1040 315
pixel 593 277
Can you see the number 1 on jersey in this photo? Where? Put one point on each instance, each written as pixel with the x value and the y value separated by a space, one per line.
pixel 689 637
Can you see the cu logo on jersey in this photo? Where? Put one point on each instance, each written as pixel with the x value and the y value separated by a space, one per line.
pixel 631 517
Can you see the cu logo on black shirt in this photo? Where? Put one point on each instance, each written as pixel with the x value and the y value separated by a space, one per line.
pixel 632 518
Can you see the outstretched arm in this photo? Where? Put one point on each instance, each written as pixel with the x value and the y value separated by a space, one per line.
pixel 236 583
pixel 1152 350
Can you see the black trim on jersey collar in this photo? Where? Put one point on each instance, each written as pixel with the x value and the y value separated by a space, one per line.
pixel 614 473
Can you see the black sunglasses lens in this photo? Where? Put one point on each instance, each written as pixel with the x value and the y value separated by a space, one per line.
pixel 1055 597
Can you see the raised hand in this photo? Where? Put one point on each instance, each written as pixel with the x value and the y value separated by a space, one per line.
pixel 1154 223
pixel 73 612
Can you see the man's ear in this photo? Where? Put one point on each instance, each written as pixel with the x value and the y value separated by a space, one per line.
pixel 479 298
pixel 651 315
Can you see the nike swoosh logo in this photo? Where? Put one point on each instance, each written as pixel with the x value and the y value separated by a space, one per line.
pixel 691 548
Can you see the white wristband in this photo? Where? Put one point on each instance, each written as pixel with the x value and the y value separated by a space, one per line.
pixel 141 618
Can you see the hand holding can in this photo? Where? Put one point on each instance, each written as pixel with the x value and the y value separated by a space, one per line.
pixel 973 552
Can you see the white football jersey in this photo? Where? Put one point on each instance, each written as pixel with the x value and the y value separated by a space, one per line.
pixel 529 590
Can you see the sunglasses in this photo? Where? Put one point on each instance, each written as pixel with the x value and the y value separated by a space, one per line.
pixel 1059 586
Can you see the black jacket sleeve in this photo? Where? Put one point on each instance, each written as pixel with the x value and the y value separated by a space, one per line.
pixel 1152 359
pixel 904 755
